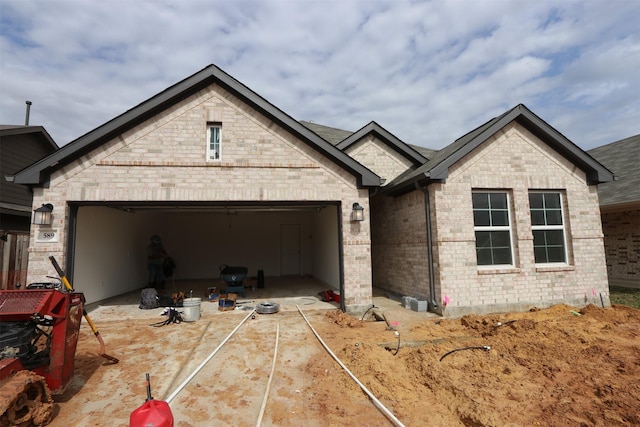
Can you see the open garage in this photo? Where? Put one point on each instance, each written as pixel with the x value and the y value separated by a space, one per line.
pixel 280 239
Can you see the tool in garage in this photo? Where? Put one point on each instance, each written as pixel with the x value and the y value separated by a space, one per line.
pixel 102 353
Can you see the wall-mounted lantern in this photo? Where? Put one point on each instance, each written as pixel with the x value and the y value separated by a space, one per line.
pixel 42 216
pixel 357 214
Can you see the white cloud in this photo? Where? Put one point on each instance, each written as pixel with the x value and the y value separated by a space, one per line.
pixel 427 71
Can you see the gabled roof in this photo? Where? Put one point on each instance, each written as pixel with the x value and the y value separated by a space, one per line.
pixel 387 137
pixel 437 168
pixel 38 173
pixel 623 158
pixel 9 130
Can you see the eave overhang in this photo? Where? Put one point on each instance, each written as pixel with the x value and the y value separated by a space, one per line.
pixel 38 173
pixel 437 168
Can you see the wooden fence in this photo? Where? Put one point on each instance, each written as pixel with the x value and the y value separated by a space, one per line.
pixel 14 258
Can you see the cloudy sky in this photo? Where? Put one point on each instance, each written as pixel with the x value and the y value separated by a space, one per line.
pixel 427 71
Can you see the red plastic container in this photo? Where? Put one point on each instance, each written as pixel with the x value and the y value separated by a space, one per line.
pixel 153 413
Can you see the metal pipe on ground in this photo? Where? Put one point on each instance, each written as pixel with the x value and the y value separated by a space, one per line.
pixel 205 361
pixel 396 422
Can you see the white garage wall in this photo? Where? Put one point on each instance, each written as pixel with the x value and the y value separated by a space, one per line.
pixel 200 242
pixel 109 259
pixel 326 258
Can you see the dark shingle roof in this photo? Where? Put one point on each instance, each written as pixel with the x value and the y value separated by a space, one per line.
pixel 623 158
pixel 332 135
pixel 426 152
pixel 437 168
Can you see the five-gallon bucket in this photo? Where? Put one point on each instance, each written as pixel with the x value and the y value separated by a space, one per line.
pixel 191 309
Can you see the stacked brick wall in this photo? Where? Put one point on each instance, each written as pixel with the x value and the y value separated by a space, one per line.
pixel 164 159
pixel 399 250
pixel 622 244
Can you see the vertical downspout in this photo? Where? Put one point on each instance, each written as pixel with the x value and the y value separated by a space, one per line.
pixel 433 304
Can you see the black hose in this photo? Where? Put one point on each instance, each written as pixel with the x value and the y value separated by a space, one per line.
pixel 369 309
pixel 480 347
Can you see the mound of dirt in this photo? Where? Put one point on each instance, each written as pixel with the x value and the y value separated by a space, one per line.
pixel 557 366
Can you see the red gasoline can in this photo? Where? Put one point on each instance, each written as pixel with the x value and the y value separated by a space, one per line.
pixel 153 413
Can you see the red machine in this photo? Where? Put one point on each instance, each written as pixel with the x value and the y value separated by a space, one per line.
pixel 38 336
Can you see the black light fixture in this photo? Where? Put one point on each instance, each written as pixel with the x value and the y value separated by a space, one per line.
pixel 357 214
pixel 42 215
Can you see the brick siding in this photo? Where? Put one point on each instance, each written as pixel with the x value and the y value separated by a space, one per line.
pixel 164 159
pixel 379 158
pixel 622 244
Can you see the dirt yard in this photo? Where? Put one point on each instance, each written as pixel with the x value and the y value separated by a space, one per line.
pixel 553 367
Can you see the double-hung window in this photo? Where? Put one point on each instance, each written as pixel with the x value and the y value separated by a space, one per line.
pixel 214 138
pixel 492 226
pixel 547 225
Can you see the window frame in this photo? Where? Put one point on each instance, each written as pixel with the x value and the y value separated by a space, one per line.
pixel 554 227
pixel 210 127
pixel 494 228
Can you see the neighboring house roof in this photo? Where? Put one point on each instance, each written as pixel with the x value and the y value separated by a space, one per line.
pixel 20 146
pixel 39 172
pixel 39 131
pixel 623 158
pixel 437 168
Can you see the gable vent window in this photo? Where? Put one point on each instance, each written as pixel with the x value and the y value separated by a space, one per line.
pixel 491 220
pixel 214 141
pixel 547 225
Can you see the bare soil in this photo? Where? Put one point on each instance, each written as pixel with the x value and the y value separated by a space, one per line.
pixel 554 367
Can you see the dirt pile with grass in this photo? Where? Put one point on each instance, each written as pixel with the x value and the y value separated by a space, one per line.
pixel 558 366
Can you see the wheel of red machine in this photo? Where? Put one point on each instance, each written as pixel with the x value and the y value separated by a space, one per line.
pixel 267 307
pixel 25 399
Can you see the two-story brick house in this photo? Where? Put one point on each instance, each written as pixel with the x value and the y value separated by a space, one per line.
pixel 504 218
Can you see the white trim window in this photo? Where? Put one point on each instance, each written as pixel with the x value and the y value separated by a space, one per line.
pixel 492 226
pixel 547 225
pixel 214 141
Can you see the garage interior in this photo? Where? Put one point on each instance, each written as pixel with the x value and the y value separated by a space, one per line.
pixel 296 245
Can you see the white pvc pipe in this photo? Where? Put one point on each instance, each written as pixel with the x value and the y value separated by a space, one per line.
pixel 199 368
pixel 273 368
pixel 375 401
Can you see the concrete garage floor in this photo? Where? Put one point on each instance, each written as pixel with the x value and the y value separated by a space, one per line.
pixel 230 388
pixel 285 291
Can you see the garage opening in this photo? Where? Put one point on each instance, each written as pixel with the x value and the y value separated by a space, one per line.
pixel 295 246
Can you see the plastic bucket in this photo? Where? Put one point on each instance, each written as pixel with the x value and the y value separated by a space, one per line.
pixel 191 309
